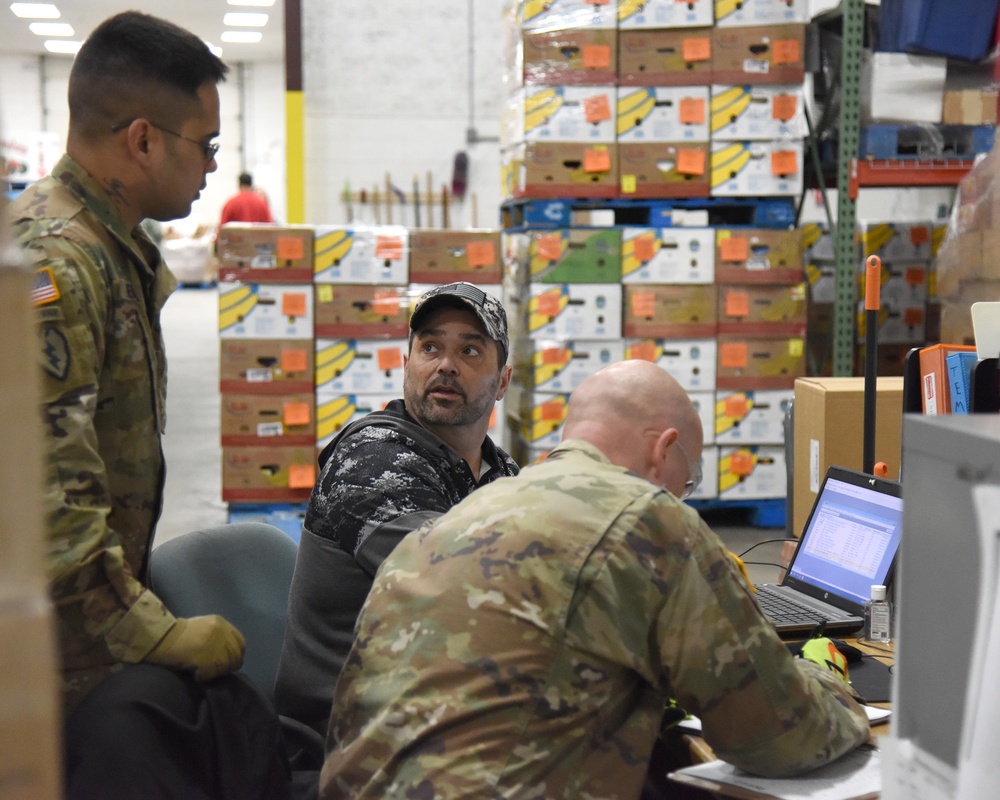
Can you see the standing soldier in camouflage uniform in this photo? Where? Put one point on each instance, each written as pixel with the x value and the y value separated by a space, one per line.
pixel 385 475
pixel 144 109
pixel 524 644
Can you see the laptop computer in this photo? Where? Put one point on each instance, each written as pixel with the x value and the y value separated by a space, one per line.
pixel 849 543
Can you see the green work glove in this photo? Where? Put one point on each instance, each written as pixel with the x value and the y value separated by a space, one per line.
pixel 825 653
pixel 210 646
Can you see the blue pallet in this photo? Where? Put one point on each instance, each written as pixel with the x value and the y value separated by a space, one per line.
pixel 925 142
pixel 286 516
pixel 763 212
pixel 763 513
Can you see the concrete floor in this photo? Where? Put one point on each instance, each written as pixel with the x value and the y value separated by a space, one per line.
pixel 193 454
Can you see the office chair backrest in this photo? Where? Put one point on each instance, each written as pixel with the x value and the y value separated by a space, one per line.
pixel 241 571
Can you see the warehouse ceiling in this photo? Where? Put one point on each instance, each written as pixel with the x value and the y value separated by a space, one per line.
pixel 203 17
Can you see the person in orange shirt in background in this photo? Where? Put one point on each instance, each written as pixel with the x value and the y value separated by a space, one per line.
pixel 248 205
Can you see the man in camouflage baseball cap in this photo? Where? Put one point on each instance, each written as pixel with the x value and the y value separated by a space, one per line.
pixel 386 474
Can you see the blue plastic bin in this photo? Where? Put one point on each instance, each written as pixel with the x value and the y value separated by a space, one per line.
pixel 963 29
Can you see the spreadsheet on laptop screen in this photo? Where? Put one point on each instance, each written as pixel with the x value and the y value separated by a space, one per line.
pixel 850 541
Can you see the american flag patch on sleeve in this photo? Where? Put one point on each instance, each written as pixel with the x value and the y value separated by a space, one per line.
pixel 43 288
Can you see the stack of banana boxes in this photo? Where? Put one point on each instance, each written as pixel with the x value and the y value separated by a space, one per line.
pixel 652 101
pixel 313 324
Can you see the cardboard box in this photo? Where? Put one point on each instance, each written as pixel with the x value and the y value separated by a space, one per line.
pixel 283 474
pixel 829 429
pixel 559 114
pixel 903 283
pixel 665 57
pixel 663 169
pixel 704 406
pixel 663 114
pixel 668 255
pixel 538 418
pixel 758 255
pixel 759 362
pixel 565 255
pixel 751 417
pixel 935 384
pixel 265 366
pixel 757 113
pixel 665 14
pixel 902 324
pixel 561 169
pixel 360 366
pixel 346 311
pixel 560 365
pixel 265 311
pixel 772 54
pixel 579 56
pixel 760 12
pixel 654 311
pixel 969 107
pixel 334 410
pixel 446 256
pixel 572 311
pixel 709 489
pixel 894 241
pixel 691 362
pixel 752 472
pixel 740 169
pixel 901 87
pixel 261 253
pixel 565 14
pixel 763 309
pixel 378 254
pixel 254 420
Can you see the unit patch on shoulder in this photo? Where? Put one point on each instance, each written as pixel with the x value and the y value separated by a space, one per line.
pixel 55 353
pixel 43 287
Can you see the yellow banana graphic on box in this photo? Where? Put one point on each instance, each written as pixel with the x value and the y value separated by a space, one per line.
pixel 728 105
pixel 546 364
pixel 330 248
pixel 540 263
pixel 811 233
pixel 642 350
pixel 634 107
pixel 727 478
pixel 630 262
pixel 626 8
pixel 728 162
pixel 333 359
pixel 548 416
pixel 532 8
pixel 813 274
pixel 540 107
pixel 876 237
pixel 723 8
pixel 235 304
pixel 723 420
pixel 540 306
pixel 334 415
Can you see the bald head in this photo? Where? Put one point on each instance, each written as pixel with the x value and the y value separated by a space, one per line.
pixel 633 411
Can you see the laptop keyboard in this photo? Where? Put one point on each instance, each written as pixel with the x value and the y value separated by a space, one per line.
pixel 785 611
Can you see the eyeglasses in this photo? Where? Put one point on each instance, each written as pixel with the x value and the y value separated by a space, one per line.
pixel 694 473
pixel 208 150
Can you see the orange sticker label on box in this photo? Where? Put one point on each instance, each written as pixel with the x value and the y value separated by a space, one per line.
pixel 784 162
pixel 389 358
pixel 737 406
pixel 734 248
pixel 386 304
pixel 913 316
pixel 692 110
pixel 296 413
pixel 597 159
pixel 643 304
pixel 919 234
pixel 293 304
pixel 690 161
pixel 915 276
pixel 554 355
pixel 605 2
pixel 786 51
pixel 784 106
pixel 550 246
pixel 644 351
pixel 596 56
pixel 389 248
pixel 294 360
pixel 550 303
pixel 289 248
pixel 741 463
pixel 628 184
pixel 644 247
pixel 552 410
pixel 737 303
pixel 597 108
pixel 734 355
pixel 480 254
pixel 696 48
pixel 301 476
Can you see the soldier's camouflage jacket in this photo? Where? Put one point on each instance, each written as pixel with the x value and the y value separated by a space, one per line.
pixel 98 290
pixel 524 645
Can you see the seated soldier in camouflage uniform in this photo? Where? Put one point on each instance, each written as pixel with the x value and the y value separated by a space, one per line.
pixel 385 475
pixel 525 643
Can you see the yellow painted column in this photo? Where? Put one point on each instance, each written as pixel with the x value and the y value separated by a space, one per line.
pixel 295 144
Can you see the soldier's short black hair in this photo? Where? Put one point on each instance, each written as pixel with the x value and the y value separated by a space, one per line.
pixel 133 65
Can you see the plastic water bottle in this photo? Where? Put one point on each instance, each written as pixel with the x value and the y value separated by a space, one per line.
pixel 878 616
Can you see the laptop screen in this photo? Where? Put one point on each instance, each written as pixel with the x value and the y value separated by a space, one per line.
pixel 852 537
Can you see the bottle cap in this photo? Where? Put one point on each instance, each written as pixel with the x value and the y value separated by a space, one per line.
pixel 878 592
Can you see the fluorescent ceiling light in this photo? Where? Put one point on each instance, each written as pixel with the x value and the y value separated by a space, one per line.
pixel 35 10
pixel 51 28
pixel 237 20
pixel 62 46
pixel 257 3
pixel 241 37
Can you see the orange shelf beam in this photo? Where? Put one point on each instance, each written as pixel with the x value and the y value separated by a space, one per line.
pixel 906 172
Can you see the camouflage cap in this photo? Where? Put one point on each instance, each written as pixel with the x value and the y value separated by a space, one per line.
pixel 487 308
